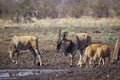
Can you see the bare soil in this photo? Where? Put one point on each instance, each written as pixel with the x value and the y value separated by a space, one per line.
pixel 53 60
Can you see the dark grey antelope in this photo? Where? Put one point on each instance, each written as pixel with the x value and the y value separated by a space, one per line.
pixel 72 43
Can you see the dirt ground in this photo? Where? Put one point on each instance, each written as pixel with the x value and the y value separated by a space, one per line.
pixel 53 60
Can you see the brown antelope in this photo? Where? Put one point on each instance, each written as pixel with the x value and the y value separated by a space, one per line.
pixel 19 43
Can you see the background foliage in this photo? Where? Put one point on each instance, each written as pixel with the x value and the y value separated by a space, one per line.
pixel 23 10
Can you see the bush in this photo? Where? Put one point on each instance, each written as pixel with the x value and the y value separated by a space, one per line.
pixel 59 8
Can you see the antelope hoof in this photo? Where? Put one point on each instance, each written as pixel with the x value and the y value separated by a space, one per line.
pixel 40 64
pixel 71 65
pixel 13 61
pixel 78 64
pixel 16 62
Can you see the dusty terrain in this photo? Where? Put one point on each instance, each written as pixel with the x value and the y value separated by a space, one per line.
pixel 53 60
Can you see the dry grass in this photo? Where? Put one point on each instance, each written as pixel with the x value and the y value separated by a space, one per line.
pixel 65 22
pixel 69 24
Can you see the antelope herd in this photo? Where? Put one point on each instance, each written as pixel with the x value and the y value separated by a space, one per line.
pixel 70 43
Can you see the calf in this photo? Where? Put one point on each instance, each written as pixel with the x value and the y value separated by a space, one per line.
pixel 88 55
pixel 101 53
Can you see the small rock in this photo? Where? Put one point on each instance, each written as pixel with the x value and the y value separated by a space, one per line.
pixel 108 75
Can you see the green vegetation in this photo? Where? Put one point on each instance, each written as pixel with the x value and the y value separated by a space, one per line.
pixel 110 37
pixel 47 29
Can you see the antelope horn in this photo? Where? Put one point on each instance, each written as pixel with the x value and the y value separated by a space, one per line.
pixel 64 35
pixel 59 34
